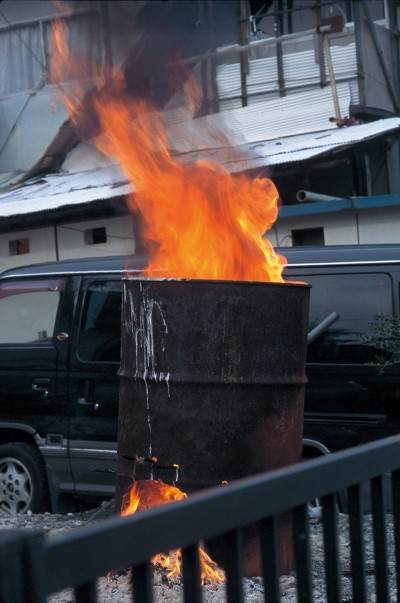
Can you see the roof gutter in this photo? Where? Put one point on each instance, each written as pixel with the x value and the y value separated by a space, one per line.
pixel 338 205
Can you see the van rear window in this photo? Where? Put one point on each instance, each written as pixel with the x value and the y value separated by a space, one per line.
pixel 356 298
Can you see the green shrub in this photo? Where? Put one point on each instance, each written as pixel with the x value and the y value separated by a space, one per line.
pixel 385 339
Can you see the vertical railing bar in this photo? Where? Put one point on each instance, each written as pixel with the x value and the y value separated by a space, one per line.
pixel 396 524
pixel 234 566
pixel 35 568
pixel 357 546
pixel 270 559
pixel 380 546
pixel 142 583
pixel 12 567
pixel 86 593
pixel 331 547
pixel 191 574
pixel 302 553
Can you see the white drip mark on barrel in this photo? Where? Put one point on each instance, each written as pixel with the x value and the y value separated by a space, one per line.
pixel 145 349
pixel 165 378
pixel 148 420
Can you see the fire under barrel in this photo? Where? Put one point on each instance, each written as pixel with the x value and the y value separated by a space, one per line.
pixel 212 380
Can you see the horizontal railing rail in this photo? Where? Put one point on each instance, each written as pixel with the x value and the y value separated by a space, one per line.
pixel 32 565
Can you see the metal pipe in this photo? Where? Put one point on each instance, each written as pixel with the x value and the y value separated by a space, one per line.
pixel 268 42
pixel 309 197
pixel 322 327
pixel 244 57
pixel 328 56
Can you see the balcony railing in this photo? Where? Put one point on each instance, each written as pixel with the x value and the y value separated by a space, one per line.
pixel 32 566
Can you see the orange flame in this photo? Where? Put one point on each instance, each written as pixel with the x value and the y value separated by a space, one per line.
pixel 200 221
pixel 144 494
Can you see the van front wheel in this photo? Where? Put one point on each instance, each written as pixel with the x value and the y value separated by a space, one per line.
pixel 23 484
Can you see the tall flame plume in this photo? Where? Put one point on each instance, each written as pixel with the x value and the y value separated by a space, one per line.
pixel 199 220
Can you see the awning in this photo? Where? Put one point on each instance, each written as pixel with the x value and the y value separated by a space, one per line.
pixel 101 183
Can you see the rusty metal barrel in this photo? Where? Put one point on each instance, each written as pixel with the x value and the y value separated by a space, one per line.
pixel 212 380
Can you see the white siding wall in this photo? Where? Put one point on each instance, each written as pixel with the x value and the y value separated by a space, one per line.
pixel 380 225
pixel 339 229
pixel 41 247
pixel 42 242
pixel 120 239
pixel 377 225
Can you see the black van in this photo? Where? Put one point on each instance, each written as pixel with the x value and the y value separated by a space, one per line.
pixel 60 352
pixel 60 327
pixel 351 396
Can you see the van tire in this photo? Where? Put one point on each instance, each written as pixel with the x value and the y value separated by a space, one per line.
pixel 23 482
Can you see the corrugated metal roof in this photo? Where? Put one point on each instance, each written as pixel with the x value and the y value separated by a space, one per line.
pixel 303 113
pixel 292 148
pixel 63 189
pixel 73 188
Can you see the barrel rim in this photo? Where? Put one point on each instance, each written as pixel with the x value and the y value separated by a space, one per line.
pixel 218 281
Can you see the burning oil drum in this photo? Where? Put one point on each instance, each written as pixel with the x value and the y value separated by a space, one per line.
pixel 212 380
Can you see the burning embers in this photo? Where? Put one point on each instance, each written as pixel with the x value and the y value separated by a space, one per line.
pixel 144 494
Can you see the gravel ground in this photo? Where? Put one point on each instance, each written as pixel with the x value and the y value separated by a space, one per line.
pixel 116 588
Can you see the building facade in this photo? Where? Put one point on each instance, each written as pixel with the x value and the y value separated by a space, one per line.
pixel 308 92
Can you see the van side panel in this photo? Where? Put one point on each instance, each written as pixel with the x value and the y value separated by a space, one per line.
pixel 349 399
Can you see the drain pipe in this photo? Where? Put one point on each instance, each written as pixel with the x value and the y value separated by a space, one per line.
pixel 393 27
pixel 56 242
pixel 328 56
pixel 359 53
pixel 379 51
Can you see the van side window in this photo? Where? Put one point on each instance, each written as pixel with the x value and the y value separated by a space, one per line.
pixel 99 338
pixel 356 298
pixel 28 310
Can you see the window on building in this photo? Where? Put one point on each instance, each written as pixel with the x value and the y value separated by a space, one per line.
pixel 95 236
pixel 308 236
pixel 26 51
pixel 19 246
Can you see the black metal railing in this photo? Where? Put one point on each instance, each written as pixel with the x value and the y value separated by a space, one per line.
pixel 33 566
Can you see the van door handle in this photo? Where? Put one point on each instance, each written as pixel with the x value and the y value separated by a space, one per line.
pixel 41 386
pixel 85 398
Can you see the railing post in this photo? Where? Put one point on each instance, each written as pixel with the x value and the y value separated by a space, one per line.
pixel 396 521
pixel 11 567
pixel 302 553
pixel 233 555
pixel 380 539
pixel 270 558
pixel 331 546
pixel 191 574
pixel 34 568
pixel 356 527
pixel 142 582
pixel 20 576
